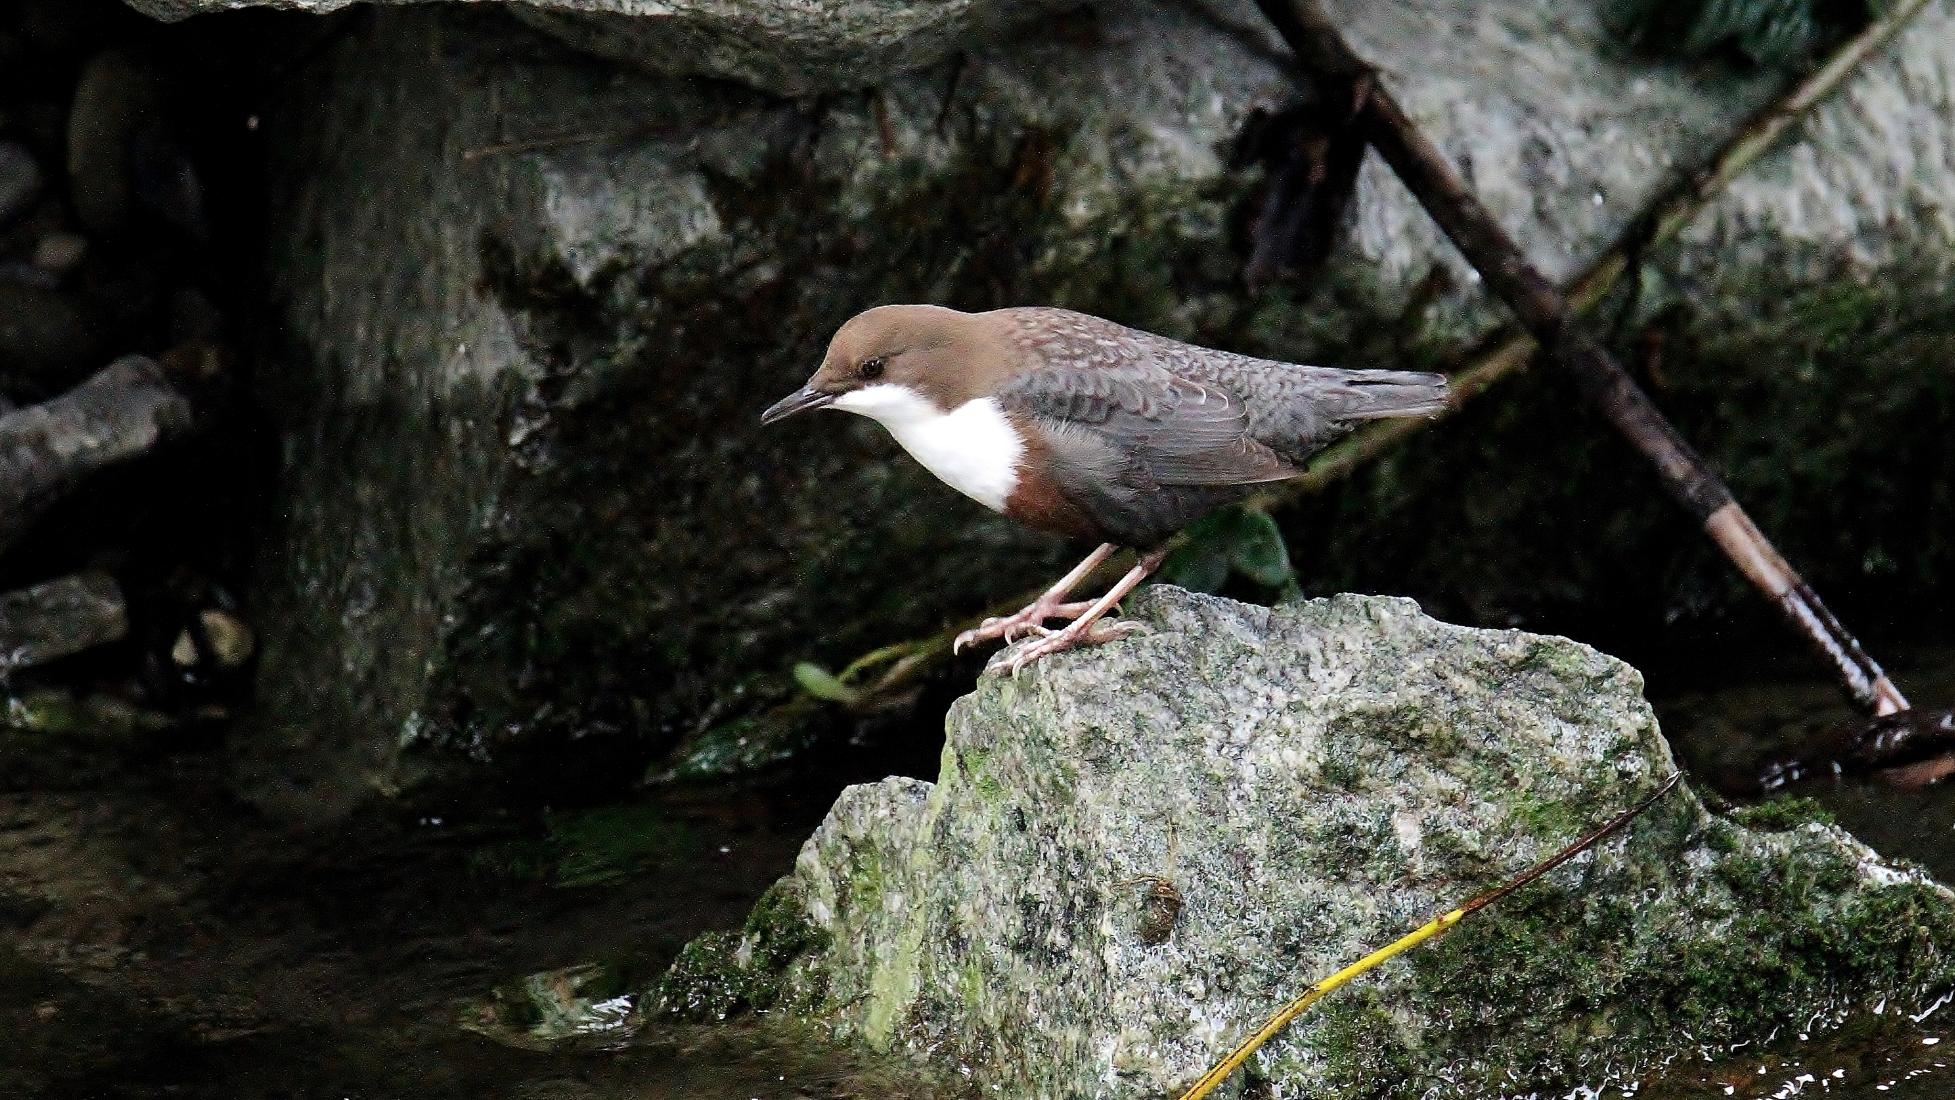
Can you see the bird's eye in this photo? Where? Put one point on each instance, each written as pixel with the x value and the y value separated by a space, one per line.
pixel 872 368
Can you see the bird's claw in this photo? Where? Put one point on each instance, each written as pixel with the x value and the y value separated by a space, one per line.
pixel 1015 658
pixel 1012 628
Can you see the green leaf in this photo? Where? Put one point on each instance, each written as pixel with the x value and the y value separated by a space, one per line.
pixel 1234 540
pixel 1258 551
pixel 1197 567
pixel 1201 563
pixel 823 684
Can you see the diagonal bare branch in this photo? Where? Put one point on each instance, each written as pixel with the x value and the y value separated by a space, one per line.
pixel 1549 316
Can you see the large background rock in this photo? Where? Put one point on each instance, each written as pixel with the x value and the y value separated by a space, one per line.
pixel 1798 333
pixel 1311 782
pixel 531 305
pixel 791 47
pixel 549 309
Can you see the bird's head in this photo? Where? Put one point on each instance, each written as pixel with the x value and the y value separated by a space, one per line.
pixel 893 362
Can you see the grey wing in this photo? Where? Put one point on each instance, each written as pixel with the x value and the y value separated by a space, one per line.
pixel 1294 409
pixel 1143 450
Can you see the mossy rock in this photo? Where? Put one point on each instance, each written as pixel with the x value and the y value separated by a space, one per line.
pixel 1312 781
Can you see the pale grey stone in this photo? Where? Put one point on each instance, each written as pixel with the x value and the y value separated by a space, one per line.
pixel 790 47
pixel 1863 189
pixel 59 618
pixel 124 411
pixel 1135 853
pixel 60 253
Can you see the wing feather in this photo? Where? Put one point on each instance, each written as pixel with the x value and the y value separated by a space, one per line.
pixel 1170 430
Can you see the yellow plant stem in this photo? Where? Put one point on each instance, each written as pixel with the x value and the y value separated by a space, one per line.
pixel 1432 929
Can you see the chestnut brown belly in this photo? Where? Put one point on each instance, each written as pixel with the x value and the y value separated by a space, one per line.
pixel 1037 502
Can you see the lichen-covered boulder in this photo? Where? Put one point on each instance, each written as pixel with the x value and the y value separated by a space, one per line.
pixel 791 47
pixel 1133 854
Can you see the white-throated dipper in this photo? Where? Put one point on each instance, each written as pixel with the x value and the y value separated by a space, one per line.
pixel 1082 427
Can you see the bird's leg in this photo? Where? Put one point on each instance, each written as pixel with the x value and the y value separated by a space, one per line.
pixel 1049 605
pixel 1087 629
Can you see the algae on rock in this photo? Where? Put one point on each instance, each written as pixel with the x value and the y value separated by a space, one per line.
pixel 1313 780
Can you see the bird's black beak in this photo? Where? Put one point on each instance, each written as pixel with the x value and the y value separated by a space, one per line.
pixel 806 397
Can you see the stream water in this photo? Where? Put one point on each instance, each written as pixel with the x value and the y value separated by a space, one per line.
pixel 157 941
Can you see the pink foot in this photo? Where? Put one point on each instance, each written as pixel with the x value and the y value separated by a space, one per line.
pixel 1012 627
pixel 1077 634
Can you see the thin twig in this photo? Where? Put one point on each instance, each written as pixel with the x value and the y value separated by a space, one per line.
pixel 1550 317
pixel 624 135
pixel 537 144
pixel 1432 929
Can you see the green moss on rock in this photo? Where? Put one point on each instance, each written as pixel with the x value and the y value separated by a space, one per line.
pixel 991 921
pixel 1780 814
pixel 723 973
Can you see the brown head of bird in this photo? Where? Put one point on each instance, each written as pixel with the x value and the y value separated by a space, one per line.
pixel 929 353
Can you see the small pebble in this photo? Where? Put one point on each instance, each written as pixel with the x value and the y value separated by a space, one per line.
pixel 231 640
pixel 60 253
pixel 20 180
pixel 184 651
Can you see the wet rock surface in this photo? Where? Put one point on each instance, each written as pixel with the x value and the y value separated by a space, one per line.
pixel 789 47
pixel 1787 333
pixel 117 100
pixel 123 412
pixel 1310 782
pixel 61 617
pixel 563 520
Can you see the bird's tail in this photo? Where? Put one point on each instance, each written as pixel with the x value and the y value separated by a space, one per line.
pixel 1378 394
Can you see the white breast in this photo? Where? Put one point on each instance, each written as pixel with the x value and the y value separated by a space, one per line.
pixel 972 448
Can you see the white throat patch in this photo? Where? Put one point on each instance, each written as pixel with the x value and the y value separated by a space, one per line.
pixel 973 448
